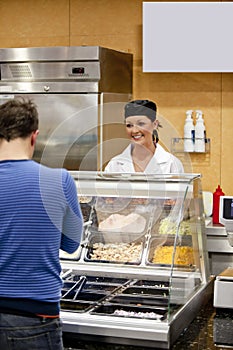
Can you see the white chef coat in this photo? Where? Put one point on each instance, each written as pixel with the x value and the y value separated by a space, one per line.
pixel 162 162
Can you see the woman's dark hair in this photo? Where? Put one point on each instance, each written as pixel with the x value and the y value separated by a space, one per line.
pixel 155 136
pixel 141 107
pixel 18 118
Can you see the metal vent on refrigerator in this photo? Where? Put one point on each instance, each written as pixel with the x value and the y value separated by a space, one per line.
pixel 20 71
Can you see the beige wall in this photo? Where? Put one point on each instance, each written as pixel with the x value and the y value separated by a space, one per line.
pixel 117 24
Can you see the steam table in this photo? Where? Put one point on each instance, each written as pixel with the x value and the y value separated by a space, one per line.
pixel 207 329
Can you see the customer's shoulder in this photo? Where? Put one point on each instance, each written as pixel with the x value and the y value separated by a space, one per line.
pixel 54 173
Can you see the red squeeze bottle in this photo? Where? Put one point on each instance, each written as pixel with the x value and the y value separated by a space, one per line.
pixel 216 200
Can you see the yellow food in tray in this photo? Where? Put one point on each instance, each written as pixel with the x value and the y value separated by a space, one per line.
pixel 183 255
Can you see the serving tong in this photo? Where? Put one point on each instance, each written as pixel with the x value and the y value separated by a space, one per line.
pixel 78 286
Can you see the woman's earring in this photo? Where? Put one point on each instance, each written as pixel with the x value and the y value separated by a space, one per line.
pixel 155 135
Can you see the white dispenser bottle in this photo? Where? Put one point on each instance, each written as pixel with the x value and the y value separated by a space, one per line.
pixel 189 132
pixel 200 132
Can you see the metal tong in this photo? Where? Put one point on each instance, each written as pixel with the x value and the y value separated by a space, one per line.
pixel 79 285
pixel 82 282
pixel 87 223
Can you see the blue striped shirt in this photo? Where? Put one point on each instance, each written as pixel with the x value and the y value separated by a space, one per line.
pixel 39 214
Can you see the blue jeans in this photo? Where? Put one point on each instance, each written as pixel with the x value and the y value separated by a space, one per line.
pixel 30 333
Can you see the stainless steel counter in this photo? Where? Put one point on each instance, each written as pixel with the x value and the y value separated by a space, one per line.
pixel 219 249
pixel 209 331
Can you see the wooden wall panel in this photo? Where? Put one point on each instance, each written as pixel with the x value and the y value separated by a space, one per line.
pixel 27 23
pixel 118 25
pixel 226 137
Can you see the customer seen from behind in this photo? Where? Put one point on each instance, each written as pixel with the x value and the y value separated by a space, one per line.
pixel 39 214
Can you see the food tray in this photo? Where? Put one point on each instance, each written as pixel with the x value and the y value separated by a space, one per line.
pixel 116 204
pixel 97 279
pixel 154 284
pixel 115 248
pixel 139 300
pixel 123 214
pixel 123 222
pixel 86 211
pixel 89 214
pixel 72 277
pixel 86 199
pixel 95 287
pixel 146 291
pixel 106 237
pixel 161 249
pixel 85 296
pixel 166 226
pixel 121 310
pixel 162 208
pixel 68 285
pixel 76 306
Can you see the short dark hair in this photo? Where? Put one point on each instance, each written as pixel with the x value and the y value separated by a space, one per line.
pixel 18 118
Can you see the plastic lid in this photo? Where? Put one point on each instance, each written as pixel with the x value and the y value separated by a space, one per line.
pixel 189 115
pixel 219 190
pixel 199 115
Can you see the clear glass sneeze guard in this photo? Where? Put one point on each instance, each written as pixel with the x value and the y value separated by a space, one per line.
pixel 143 249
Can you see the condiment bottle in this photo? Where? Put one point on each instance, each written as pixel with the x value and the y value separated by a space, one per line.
pixel 200 133
pixel 216 199
pixel 189 132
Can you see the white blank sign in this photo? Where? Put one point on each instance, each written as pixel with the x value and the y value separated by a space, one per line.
pixel 188 37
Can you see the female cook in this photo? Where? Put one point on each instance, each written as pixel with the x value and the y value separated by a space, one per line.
pixel 144 154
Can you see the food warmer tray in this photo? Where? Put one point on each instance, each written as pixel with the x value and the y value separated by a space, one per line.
pixel 143 300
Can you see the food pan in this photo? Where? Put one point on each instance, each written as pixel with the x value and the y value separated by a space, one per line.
pixel 86 211
pixel 138 300
pixel 160 252
pixel 106 247
pixel 76 306
pixel 71 290
pixel 124 223
pixel 111 280
pixel 149 283
pixel 67 285
pixel 121 215
pixel 116 204
pixel 89 214
pixel 107 237
pixel 167 226
pixel 96 279
pixel 137 290
pixel 120 310
pixel 86 296
pixel 106 288
pixel 85 199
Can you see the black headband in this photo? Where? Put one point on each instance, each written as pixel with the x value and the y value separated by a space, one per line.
pixel 141 107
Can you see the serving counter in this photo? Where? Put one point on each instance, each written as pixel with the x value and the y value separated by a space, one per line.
pixel 219 247
pixel 141 273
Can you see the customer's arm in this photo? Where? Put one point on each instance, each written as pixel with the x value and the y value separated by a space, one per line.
pixel 73 219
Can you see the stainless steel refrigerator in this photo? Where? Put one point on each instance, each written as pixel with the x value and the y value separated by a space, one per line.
pixel 80 93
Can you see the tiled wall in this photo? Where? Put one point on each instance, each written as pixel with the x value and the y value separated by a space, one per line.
pixel 118 25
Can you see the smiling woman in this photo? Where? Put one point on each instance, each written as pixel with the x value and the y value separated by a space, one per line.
pixel 144 154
